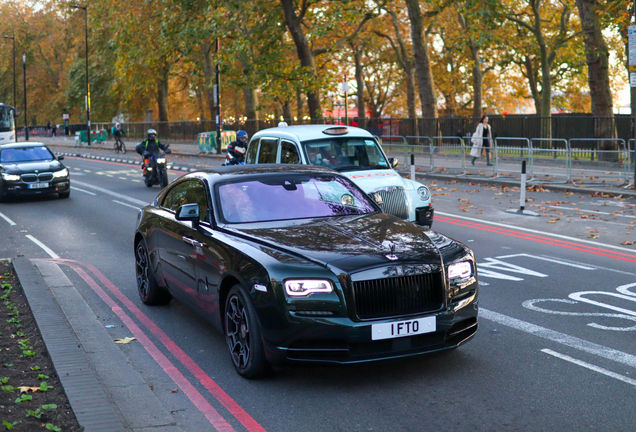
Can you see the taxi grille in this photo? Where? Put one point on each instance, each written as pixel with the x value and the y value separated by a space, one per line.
pixel 398 296
pixel 37 177
pixel 394 199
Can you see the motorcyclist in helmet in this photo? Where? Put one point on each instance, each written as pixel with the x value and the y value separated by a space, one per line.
pixel 236 149
pixel 153 146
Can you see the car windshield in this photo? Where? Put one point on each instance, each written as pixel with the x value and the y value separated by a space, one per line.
pixel 25 154
pixel 345 154
pixel 288 196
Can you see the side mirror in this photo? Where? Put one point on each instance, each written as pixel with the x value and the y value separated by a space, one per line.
pixel 393 162
pixel 188 212
pixel 377 198
pixel 61 157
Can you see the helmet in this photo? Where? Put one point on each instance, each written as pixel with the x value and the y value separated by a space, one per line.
pixel 241 136
pixel 152 132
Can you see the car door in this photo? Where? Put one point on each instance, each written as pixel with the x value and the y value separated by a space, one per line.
pixel 175 249
pixel 288 153
pixel 267 151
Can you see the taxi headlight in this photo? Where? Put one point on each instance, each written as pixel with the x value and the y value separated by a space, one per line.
pixel 304 287
pixel 461 270
pixel 10 177
pixel 61 173
pixel 424 193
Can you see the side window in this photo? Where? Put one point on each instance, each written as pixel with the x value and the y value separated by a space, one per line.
pixel 267 154
pixel 188 192
pixel 288 153
pixel 250 157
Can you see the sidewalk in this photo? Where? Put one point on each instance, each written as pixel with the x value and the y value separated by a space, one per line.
pixel 106 393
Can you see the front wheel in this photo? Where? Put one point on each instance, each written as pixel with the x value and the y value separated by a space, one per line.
pixel 123 147
pixel 149 291
pixel 164 178
pixel 243 335
pixel 64 194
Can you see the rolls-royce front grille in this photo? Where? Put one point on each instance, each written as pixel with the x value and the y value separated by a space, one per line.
pixel 37 177
pixel 398 296
pixel 394 201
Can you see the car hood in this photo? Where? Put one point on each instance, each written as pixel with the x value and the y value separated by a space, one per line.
pixel 351 243
pixel 27 167
pixel 374 179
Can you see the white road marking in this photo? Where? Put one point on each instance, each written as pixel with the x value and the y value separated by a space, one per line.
pixel 591 367
pixel 43 246
pixel 552 260
pixel 82 190
pixel 561 338
pixel 542 233
pixel 7 219
pixel 593 211
pixel 114 194
pixel 127 205
pixel 507 267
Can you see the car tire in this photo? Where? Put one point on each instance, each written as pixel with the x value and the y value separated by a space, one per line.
pixel 147 182
pixel 243 335
pixel 149 291
pixel 64 194
pixel 164 179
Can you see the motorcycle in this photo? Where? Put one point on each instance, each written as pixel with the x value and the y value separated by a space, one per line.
pixel 159 161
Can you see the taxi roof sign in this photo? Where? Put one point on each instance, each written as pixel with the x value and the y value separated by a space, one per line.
pixel 339 130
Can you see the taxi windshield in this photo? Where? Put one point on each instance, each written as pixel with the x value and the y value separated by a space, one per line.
pixel 345 154
pixel 285 197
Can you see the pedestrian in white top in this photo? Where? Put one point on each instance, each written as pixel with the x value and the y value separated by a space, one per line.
pixel 482 138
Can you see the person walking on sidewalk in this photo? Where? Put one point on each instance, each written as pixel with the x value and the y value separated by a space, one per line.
pixel 482 138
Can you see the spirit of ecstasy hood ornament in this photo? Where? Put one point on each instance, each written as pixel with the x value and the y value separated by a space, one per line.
pixel 392 255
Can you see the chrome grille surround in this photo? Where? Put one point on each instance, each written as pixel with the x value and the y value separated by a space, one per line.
pixel 396 296
pixel 394 198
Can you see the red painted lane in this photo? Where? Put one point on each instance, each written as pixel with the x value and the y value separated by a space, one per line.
pixel 230 404
pixel 537 238
pixel 193 394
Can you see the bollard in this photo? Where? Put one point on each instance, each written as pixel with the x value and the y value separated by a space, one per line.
pixel 522 200
pixel 412 166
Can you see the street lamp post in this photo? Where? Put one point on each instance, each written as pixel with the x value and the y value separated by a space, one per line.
pixel 26 126
pixel 15 104
pixel 88 86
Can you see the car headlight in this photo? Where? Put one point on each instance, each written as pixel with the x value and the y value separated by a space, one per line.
pixel 61 173
pixel 10 177
pixel 461 270
pixel 161 160
pixel 424 193
pixel 304 287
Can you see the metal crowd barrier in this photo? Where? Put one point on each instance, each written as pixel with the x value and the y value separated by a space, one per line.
pixel 504 149
pixel 444 151
pixel 557 154
pixel 422 147
pixel 402 144
pixel 622 157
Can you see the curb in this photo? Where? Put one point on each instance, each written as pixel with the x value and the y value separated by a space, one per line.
pixel 86 358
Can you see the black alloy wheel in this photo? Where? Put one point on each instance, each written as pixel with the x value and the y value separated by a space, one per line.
pixel 243 335
pixel 149 291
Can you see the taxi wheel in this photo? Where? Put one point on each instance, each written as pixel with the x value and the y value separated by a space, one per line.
pixel 243 335
pixel 149 291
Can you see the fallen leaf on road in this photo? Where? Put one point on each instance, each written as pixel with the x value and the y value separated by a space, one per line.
pixel 26 389
pixel 125 340
pixel 594 236
pixel 174 391
pixel 593 231
pixel 627 243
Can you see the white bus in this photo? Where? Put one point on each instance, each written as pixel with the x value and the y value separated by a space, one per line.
pixel 7 124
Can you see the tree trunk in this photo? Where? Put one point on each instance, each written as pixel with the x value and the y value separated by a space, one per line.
pixel 477 81
pixel 250 98
pixel 299 106
pixel 287 115
pixel 597 59
pixel 357 55
pixel 428 98
pixel 208 72
pixel 304 55
pixel 534 90
pixel 162 93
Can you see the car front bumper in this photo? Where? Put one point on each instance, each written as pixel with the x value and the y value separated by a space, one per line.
pixel 22 188
pixel 341 340
pixel 424 216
